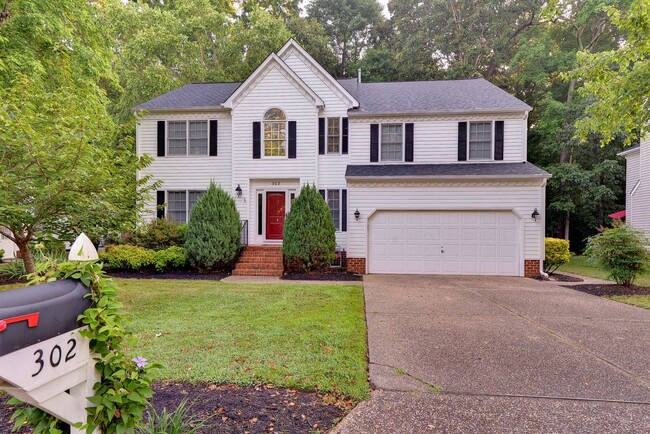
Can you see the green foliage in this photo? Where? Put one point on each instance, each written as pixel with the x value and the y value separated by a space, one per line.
pixel 170 258
pixel 557 253
pixel 309 233
pixel 621 251
pixel 159 234
pixel 213 232
pixel 618 81
pixel 121 395
pixel 179 421
pixel 2 254
pixel 14 269
pixel 127 257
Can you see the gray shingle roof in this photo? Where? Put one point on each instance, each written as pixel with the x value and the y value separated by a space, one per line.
pixel 489 170
pixel 442 96
pixel 192 96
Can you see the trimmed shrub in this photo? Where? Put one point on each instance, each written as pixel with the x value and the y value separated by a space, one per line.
pixel 2 254
pixel 170 258
pixel 309 233
pixel 212 239
pixel 621 251
pixel 557 253
pixel 159 234
pixel 127 257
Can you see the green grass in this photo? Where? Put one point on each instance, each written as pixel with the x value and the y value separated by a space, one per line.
pixel 583 266
pixel 310 337
pixel 635 300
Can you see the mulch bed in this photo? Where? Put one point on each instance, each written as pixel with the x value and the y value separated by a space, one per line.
pixel 6 280
pixel 610 289
pixel 331 275
pixel 232 409
pixel 187 275
pixel 564 278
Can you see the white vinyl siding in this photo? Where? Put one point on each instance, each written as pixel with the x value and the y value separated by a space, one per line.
pixel 521 198
pixel 436 138
pixel 392 142
pixel 479 143
pixel 638 214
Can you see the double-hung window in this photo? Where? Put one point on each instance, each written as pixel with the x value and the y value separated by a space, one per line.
pixel 180 204
pixel 392 142
pixel 187 138
pixel 334 202
pixel 275 133
pixel 480 141
pixel 333 135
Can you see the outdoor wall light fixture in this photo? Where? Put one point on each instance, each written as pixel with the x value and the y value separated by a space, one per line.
pixel 238 190
pixel 357 214
pixel 535 214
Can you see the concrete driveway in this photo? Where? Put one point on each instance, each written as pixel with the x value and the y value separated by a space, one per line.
pixel 478 354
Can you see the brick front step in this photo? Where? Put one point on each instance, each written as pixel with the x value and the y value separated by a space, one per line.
pixel 260 261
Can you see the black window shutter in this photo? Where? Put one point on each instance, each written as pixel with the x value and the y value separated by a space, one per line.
pixel 160 201
pixel 374 143
pixel 322 193
pixel 257 140
pixel 462 141
pixel 408 145
pixel 214 136
pixel 321 136
pixel 344 210
pixel 260 200
pixel 344 136
pixel 498 140
pixel 292 139
pixel 161 138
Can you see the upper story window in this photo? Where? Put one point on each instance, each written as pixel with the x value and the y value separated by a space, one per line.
pixel 187 138
pixel 480 141
pixel 333 135
pixel 275 133
pixel 392 141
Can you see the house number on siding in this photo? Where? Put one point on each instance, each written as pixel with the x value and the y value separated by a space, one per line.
pixel 55 356
pixel 275 182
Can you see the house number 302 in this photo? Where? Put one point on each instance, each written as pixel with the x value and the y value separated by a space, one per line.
pixel 55 357
pixel 275 182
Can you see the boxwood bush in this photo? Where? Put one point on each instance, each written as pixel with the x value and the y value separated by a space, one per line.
pixel 309 233
pixel 126 257
pixel 159 234
pixel 557 253
pixel 621 251
pixel 213 232
pixel 169 259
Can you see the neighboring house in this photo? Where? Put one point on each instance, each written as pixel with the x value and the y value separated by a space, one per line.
pixel 421 177
pixel 11 249
pixel 637 186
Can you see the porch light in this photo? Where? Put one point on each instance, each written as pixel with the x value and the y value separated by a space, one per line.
pixel 238 191
pixel 535 214
pixel 357 214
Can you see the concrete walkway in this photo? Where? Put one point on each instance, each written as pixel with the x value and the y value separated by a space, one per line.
pixel 470 354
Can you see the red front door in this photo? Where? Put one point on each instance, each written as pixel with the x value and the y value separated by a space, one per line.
pixel 274 215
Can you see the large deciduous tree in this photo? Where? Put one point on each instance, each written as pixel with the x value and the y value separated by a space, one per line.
pixel 62 169
pixel 349 24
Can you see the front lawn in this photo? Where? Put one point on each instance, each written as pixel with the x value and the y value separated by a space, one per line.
pixel 309 337
pixel 583 266
pixel 636 300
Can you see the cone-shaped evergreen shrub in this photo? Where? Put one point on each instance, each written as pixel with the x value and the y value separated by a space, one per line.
pixel 309 233
pixel 212 238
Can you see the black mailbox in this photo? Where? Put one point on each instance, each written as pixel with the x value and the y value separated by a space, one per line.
pixel 36 313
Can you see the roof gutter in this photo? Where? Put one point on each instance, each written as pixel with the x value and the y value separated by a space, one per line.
pixel 181 109
pixel 356 114
pixel 629 151
pixel 445 177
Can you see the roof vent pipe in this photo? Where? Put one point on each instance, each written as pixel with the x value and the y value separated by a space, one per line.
pixel 359 75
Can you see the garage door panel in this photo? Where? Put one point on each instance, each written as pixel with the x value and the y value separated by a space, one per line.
pixel 444 242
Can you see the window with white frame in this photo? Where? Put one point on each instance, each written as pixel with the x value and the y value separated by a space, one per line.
pixel 275 133
pixel 181 203
pixel 480 141
pixel 392 142
pixel 334 202
pixel 182 133
pixel 333 135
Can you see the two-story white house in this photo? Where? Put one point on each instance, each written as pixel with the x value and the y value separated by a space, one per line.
pixel 425 177
pixel 637 190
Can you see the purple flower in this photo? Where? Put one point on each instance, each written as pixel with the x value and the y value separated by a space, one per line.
pixel 140 362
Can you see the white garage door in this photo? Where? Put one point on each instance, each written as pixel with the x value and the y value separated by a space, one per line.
pixel 444 242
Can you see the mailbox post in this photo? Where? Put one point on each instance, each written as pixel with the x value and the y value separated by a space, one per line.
pixel 44 360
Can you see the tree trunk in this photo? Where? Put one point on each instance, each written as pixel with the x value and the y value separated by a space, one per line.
pixel 26 254
pixel 566 225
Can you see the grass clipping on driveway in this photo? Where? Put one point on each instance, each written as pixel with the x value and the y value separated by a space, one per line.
pixel 308 337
